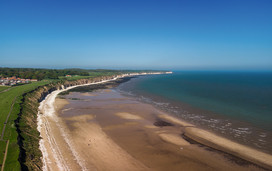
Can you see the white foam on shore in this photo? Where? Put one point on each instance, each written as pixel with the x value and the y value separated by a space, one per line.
pixel 47 109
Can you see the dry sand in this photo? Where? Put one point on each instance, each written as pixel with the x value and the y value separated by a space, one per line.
pixel 174 139
pixel 126 115
pixel 97 149
pixel 102 134
pixel 175 120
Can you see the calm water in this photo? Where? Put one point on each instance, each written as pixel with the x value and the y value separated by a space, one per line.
pixel 237 105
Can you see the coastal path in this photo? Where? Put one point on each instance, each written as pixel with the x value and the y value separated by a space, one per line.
pixel 6 90
pixel 5 156
pixel 2 135
pixel 5 123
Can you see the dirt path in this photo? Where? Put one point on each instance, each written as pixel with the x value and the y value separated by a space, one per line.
pixel 4 160
pixel 6 90
pixel 5 123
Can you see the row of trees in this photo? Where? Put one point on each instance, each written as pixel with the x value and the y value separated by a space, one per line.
pixel 40 74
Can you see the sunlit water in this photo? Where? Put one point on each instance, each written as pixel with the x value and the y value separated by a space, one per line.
pixel 237 105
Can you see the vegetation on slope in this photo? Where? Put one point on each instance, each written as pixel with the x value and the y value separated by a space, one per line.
pixel 26 124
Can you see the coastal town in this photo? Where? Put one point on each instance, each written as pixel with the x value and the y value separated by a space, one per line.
pixel 11 81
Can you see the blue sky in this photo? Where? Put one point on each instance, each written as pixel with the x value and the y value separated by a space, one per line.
pixel 136 34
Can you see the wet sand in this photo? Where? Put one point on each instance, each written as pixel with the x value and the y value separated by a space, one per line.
pixel 104 130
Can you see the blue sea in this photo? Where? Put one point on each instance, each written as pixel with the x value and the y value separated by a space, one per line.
pixel 236 105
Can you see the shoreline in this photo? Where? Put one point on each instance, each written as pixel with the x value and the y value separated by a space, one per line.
pixel 47 109
pixel 197 134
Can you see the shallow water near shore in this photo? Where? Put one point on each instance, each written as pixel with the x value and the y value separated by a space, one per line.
pixel 236 105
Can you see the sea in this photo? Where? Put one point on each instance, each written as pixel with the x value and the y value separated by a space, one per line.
pixel 233 104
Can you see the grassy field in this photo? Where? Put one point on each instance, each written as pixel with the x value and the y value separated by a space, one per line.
pixel 74 77
pixel 92 75
pixel 10 104
pixel 3 88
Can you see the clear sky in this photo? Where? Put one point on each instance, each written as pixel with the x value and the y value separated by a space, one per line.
pixel 136 34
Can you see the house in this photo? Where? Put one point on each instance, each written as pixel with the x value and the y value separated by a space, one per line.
pixel 12 78
pixel 10 81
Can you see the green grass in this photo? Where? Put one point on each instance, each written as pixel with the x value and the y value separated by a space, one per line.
pixel 2 150
pixel 3 88
pixel 6 100
pixel 11 133
pixel 92 75
pixel 105 73
pixel 12 157
pixel 74 78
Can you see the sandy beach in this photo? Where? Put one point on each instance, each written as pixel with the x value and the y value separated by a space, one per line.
pixel 104 130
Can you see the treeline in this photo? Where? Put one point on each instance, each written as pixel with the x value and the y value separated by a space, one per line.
pixel 40 74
